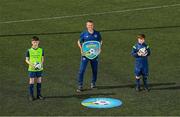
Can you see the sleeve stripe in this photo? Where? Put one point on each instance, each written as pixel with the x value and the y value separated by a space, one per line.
pixel 134 47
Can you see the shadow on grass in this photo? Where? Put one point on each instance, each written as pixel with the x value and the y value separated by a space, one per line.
pixel 153 86
pixel 81 95
pixel 102 30
pixel 133 85
pixel 167 88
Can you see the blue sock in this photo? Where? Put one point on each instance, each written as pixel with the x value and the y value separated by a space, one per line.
pixel 145 82
pixel 38 89
pixel 138 83
pixel 31 89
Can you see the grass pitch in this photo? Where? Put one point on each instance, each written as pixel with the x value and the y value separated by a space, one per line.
pixel 62 57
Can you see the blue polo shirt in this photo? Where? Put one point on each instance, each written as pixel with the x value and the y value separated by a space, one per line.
pixel 86 36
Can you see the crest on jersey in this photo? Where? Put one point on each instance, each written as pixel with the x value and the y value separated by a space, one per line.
pixel 95 36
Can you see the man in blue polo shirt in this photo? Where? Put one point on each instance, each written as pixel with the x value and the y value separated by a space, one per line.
pixel 88 35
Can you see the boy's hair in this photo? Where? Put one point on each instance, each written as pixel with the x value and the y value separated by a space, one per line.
pixel 90 21
pixel 35 38
pixel 141 36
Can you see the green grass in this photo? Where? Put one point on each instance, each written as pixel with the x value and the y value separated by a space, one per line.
pixel 62 56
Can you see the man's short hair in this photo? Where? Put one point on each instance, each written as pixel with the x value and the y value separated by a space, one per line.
pixel 35 38
pixel 89 21
pixel 141 36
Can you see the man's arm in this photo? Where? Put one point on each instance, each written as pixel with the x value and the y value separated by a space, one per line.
pixel 80 41
pixel 101 42
pixel 79 44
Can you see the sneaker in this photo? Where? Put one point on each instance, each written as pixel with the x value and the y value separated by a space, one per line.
pixel 80 89
pixel 40 97
pixel 147 89
pixel 31 98
pixel 93 86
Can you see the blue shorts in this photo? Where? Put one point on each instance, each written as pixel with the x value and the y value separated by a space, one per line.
pixel 141 71
pixel 35 74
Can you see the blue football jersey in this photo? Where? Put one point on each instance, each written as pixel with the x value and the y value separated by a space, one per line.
pixel 141 61
pixel 86 36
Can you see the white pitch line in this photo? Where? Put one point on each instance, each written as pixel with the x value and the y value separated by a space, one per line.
pixel 89 14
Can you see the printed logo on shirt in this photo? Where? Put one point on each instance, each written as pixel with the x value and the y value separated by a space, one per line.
pixel 95 36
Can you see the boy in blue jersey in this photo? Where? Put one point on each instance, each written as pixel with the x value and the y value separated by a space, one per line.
pixel 141 51
pixel 35 60
pixel 88 35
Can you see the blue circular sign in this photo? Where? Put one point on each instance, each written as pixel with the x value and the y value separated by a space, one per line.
pixel 101 102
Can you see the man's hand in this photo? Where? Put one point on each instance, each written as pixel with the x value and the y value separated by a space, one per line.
pixel 81 51
pixel 80 47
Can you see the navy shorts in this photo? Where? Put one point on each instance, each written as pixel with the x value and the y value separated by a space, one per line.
pixel 141 71
pixel 35 74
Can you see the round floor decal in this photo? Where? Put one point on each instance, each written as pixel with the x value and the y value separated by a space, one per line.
pixel 101 102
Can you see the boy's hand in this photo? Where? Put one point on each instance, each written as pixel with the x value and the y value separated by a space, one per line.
pixel 142 54
pixel 145 54
pixel 32 65
pixel 139 53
